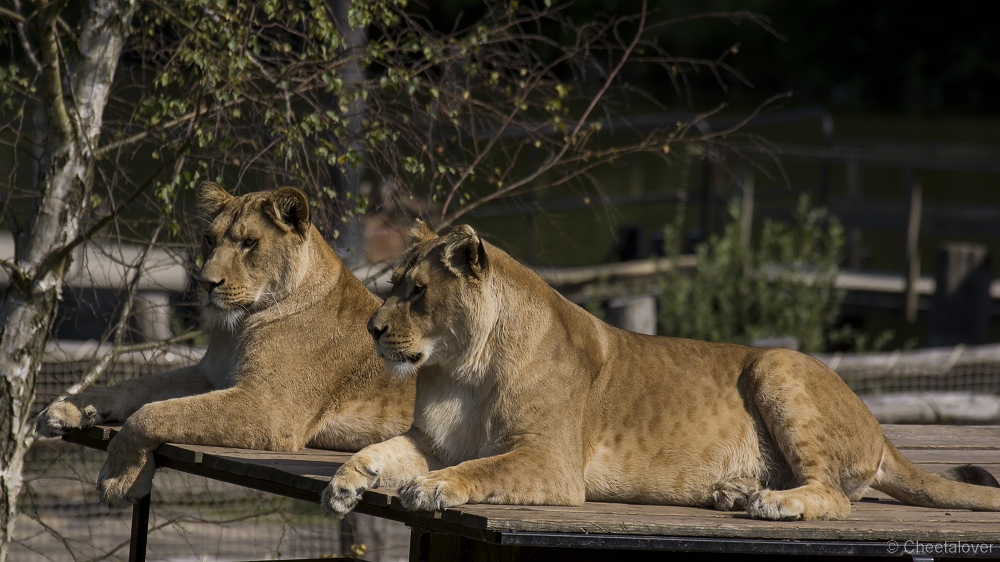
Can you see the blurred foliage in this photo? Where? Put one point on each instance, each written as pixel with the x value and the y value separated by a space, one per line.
pixel 442 114
pixel 781 285
pixel 892 56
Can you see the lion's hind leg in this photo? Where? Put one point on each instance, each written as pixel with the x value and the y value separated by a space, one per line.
pixel 733 495
pixel 830 441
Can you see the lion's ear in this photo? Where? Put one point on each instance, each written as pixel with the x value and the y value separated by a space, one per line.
pixel 421 232
pixel 289 209
pixel 212 197
pixel 466 256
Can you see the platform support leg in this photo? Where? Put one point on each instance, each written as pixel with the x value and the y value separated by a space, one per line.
pixel 420 545
pixel 140 526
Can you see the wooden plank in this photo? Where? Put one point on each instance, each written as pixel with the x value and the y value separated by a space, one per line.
pixel 876 512
pixel 184 454
pixel 657 524
pixel 81 438
pixel 563 276
pixel 748 528
pixel 952 456
pixel 860 531
pixel 943 436
pixel 992 468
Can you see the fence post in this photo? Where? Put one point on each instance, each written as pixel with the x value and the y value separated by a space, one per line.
pixel 151 312
pixel 530 200
pixel 746 205
pixel 913 189
pixel 823 187
pixel 960 310
pixel 853 173
pixel 635 314
pixel 705 210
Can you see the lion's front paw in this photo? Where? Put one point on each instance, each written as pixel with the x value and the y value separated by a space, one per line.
pixel 430 492
pixel 345 489
pixel 125 479
pixel 775 505
pixel 62 416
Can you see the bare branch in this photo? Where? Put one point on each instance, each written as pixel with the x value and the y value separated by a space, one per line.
pixel 572 138
pixel 163 127
pixel 745 120
pixel 11 14
pixel 62 253
pixel 22 35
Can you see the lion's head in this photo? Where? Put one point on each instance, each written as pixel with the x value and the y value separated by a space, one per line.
pixel 255 248
pixel 440 307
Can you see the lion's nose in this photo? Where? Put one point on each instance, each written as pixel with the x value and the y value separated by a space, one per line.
pixel 208 285
pixel 376 331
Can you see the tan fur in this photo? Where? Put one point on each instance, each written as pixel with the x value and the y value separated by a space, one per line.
pixel 288 364
pixel 525 398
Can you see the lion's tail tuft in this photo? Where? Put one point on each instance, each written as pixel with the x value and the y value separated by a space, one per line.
pixel 971 474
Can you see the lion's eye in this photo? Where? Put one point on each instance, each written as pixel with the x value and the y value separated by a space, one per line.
pixel 249 243
pixel 418 291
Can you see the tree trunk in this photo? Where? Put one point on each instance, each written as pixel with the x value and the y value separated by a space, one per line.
pixel 350 244
pixel 64 182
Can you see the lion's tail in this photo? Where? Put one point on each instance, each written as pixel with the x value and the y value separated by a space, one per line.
pixel 967 487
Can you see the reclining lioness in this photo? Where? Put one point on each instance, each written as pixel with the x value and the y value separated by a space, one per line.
pixel 525 398
pixel 288 364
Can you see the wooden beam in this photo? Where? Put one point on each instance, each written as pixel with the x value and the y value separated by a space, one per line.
pixel 914 193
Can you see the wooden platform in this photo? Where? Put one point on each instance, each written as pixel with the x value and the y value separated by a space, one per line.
pixel 877 526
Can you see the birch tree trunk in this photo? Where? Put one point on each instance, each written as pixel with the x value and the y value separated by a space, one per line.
pixel 62 191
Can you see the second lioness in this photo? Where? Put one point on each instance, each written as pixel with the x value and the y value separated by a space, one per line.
pixel 288 364
pixel 525 398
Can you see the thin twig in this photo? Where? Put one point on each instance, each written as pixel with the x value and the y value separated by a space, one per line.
pixel 95 372
pixel 22 35
pixel 59 255
pixel 576 130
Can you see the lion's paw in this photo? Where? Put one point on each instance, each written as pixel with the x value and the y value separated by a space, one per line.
pixel 734 495
pixel 775 505
pixel 430 492
pixel 63 416
pixel 345 489
pixel 123 481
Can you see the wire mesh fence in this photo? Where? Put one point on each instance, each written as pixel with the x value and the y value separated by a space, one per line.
pixel 973 369
pixel 65 362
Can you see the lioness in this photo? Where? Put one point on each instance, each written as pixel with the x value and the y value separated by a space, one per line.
pixel 525 398
pixel 288 363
